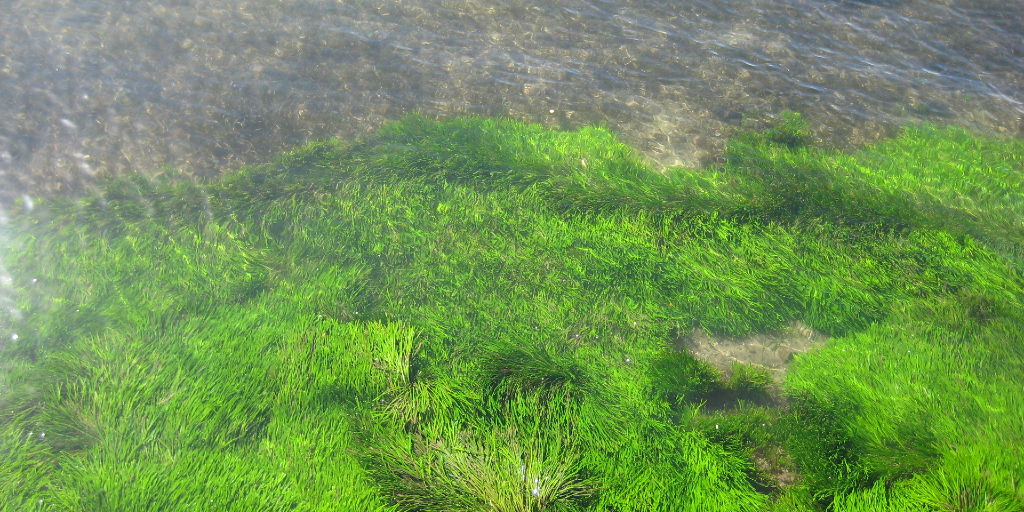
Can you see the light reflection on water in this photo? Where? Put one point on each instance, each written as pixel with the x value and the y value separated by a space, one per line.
pixel 95 88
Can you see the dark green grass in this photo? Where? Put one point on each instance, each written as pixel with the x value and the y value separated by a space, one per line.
pixel 476 315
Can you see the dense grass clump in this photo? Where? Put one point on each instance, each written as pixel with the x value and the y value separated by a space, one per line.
pixel 478 314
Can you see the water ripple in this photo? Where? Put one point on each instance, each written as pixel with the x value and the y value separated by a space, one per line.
pixel 101 88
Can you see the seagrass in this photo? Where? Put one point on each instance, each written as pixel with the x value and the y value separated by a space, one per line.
pixel 477 314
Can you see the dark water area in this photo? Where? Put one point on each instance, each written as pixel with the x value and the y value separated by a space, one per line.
pixel 97 88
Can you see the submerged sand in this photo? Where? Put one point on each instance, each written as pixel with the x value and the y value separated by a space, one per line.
pixel 774 350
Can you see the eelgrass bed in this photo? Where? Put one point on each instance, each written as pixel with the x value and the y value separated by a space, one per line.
pixel 479 314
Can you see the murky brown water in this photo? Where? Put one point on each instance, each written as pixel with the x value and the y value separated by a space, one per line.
pixel 89 88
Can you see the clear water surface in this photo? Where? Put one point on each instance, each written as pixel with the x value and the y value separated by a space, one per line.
pixel 94 88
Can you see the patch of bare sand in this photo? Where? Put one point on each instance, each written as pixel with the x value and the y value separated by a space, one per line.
pixel 773 351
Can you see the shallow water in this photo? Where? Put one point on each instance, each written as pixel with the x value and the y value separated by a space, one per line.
pixel 92 88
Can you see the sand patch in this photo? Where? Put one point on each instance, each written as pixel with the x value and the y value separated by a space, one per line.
pixel 773 351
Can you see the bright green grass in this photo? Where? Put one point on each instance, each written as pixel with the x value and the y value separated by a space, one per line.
pixel 476 315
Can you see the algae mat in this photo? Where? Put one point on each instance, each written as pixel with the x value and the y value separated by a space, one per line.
pixel 479 314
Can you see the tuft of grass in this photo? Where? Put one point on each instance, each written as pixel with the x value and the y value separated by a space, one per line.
pixel 749 379
pixel 679 377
